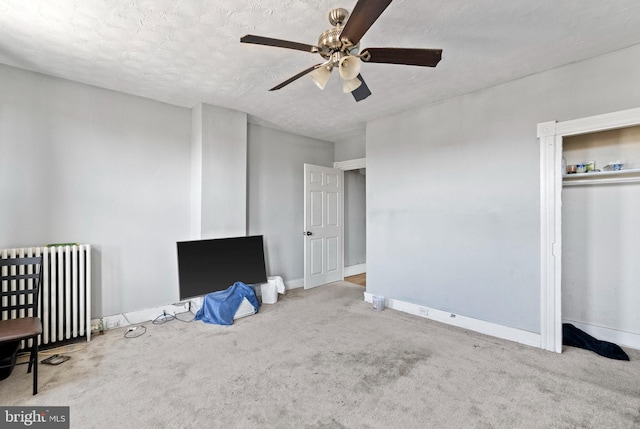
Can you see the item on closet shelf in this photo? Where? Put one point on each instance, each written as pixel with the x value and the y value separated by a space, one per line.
pixel 613 166
pixel 571 169
pixel 581 168
pixel 590 166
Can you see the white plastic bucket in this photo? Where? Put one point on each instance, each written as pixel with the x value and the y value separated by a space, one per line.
pixel 269 292
pixel 378 303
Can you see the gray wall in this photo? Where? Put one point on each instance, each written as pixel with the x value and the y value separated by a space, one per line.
pixel 353 148
pixel 453 190
pixel 83 164
pixel 275 198
pixel 219 172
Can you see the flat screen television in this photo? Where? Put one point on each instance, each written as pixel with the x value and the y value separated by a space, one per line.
pixel 206 266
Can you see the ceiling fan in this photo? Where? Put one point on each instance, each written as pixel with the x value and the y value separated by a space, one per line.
pixel 340 45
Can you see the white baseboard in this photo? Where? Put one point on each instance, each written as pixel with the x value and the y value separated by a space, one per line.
pixel 116 321
pixel 294 284
pixel 621 338
pixel 487 328
pixel 353 270
pixel 148 314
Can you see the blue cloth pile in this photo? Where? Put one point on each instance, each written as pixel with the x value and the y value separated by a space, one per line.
pixel 220 307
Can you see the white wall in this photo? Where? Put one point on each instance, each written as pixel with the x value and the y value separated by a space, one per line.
pixel 219 172
pixel 601 236
pixel 354 148
pixel 197 144
pixel 83 164
pixel 453 206
pixel 276 194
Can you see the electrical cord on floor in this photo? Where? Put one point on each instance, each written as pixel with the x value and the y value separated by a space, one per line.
pixel 165 317
pixel 135 331
pixel 185 321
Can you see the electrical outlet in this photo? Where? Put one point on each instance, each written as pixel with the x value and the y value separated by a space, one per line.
pixel 423 311
pixel 113 324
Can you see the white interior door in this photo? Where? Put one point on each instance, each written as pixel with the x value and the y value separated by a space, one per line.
pixel 323 225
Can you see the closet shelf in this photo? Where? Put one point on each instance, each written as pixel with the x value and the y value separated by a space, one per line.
pixel 602 177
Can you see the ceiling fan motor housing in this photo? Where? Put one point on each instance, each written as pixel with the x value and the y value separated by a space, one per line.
pixel 329 41
pixel 338 16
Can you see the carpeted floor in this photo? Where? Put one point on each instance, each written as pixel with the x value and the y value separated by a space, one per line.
pixel 325 359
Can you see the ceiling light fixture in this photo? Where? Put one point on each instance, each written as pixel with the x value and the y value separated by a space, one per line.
pixel 320 76
pixel 351 85
pixel 340 45
pixel 349 67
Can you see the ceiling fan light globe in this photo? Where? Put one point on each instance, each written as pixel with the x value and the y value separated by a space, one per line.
pixel 350 67
pixel 320 76
pixel 351 85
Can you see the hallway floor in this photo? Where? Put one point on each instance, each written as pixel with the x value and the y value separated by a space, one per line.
pixel 359 279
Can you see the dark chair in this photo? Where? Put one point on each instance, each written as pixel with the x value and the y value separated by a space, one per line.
pixel 20 280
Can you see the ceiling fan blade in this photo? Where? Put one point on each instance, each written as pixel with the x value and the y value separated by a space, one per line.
pixel 361 92
pixel 278 43
pixel 410 57
pixel 298 76
pixel 363 16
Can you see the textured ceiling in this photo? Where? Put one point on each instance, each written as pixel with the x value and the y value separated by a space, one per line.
pixel 185 52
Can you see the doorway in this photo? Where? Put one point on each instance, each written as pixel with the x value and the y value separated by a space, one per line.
pixel 551 135
pixel 358 279
pixel 601 236
pixel 354 220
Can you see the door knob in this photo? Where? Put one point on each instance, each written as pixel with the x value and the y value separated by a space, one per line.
pixel 307 233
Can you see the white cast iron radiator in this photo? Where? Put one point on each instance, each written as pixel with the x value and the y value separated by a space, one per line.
pixel 65 293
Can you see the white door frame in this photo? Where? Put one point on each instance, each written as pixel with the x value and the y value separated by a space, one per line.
pixel 351 164
pixel 551 135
